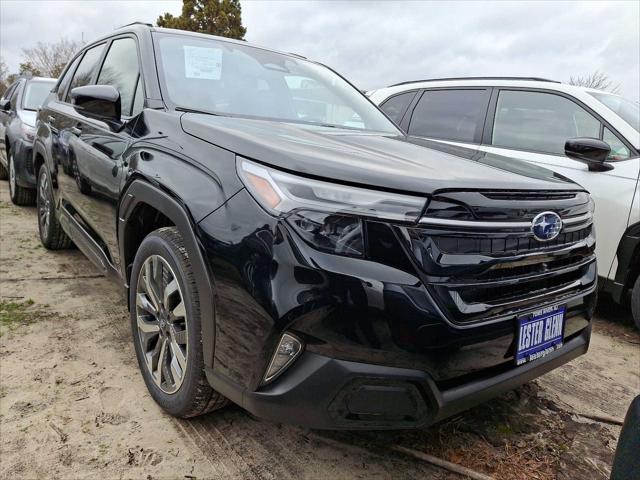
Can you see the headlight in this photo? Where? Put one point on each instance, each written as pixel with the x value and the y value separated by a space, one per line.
pixel 281 193
pixel 28 132
pixel 327 215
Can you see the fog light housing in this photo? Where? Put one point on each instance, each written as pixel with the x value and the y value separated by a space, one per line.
pixel 287 351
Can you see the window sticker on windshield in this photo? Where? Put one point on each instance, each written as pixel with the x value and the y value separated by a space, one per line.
pixel 202 62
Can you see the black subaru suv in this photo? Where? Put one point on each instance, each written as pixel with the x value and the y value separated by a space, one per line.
pixel 283 245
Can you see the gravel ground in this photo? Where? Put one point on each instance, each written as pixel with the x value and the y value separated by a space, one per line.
pixel 73 404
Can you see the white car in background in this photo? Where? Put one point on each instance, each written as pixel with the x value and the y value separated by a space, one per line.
pixel 531 119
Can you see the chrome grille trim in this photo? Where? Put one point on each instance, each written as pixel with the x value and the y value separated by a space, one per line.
pixel 446 222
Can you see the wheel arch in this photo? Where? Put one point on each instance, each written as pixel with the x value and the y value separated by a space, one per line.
pixel 39 156
pixel 141 195
pixel 628 255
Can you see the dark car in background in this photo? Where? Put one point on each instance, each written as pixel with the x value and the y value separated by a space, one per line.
pixel 282 244
pixel 18 108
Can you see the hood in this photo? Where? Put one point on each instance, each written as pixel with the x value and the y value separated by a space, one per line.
pixel 28 117
pixel 369 159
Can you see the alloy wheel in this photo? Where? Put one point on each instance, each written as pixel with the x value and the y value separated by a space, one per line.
pixel 162 323
pixel 44 203
pixel 12 176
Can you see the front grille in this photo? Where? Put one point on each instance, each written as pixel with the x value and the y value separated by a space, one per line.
pixel 503 245
pixel 487 293
pixel 479 272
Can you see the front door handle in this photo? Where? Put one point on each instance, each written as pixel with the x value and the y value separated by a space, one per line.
pixel 76 131
pixel 51 119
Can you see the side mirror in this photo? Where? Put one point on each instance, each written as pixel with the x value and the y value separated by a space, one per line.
pixel 101 102
pixel 5 105
pixel 592 151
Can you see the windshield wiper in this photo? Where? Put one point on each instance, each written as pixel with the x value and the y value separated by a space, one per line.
pixel 193 110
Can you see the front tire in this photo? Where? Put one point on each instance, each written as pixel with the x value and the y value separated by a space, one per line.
pixel 166 326
pixel 635 303
pixel 52 236
pixel 19 195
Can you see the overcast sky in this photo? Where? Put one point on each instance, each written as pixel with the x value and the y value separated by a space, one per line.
pixel 379 43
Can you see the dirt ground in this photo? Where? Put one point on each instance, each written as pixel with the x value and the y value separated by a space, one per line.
pixel 73 404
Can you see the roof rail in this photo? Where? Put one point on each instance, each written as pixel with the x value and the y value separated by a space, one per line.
pixel 534 79
pixel 134 23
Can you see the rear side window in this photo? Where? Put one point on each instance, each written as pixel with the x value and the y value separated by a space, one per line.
pixel 120 69
pixel 450 115
pixel 86 69
pixel 64 83
pixel 540 122
pixel 395 106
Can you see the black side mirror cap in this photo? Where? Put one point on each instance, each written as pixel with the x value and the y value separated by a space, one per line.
pixel 592 151
pixel 101 102
pixel 5 105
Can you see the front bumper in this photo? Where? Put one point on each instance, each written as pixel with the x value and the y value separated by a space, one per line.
pixel 321 392
pixel 362 319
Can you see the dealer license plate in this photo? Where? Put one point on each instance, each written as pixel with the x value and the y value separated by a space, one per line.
pixel 540 333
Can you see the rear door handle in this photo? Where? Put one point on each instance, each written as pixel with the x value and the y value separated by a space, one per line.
pixel 51 119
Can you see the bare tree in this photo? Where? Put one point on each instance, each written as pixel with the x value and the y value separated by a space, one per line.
pixel 598 80
pixel 49 59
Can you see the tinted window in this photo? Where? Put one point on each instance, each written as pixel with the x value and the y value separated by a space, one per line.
pixel 397 105
pixel 120 69
pixel 87 68
pixel 64 83
pixel 236 79
pixel 540 122
pixel 35 93
pixel 450 115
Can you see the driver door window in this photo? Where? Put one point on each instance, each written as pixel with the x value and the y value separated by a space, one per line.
pixel 540 122
pixel 87 67
pixel 120 70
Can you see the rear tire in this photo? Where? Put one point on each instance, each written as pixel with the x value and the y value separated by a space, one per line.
pixel 166 326
pixel 19 195
pixel 51 234
pixel 635 303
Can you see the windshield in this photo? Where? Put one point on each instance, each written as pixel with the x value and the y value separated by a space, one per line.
pixel 626 109
pixel 35 93
pixel 230 79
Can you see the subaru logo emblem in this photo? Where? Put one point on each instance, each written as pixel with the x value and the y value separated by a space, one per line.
pixel 546 226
